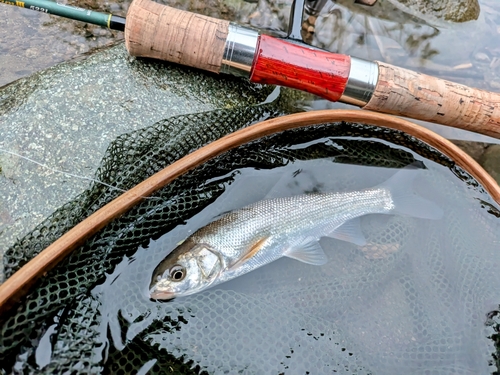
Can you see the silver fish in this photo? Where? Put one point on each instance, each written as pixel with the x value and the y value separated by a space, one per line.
pixel 245 239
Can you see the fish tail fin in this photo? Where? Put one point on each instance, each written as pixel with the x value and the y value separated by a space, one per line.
pixel 406 201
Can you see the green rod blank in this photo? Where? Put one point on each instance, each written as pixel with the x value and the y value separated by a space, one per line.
pixel 102 19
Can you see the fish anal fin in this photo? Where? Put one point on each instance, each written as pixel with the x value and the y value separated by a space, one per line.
pixel 252 250
pixel 309 251
pixel 350 231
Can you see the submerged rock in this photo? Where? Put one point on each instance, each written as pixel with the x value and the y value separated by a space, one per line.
pixel 431 12
pixel 57 124
pixel 448 10
pixel 490 161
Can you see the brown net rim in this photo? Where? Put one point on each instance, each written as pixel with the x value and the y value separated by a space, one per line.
pixel 18 285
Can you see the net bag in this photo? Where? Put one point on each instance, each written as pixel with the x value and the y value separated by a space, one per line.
pixel 420 298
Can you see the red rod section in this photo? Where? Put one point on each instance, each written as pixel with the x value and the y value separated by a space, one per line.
pixel 285 64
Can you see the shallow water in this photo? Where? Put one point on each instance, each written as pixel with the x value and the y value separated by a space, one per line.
pixel 414 300
pixel 461 52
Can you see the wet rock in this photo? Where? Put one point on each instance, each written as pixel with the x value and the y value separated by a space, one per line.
pixel 491 161
pixel 473 149
pixel 432 12
pixel 448 10
pixel 64 39
pixel 56 125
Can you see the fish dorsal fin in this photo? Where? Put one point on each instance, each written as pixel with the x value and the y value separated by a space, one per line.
pixel 252 250
pixel 350 231
pixel 207 261
pixel 308 251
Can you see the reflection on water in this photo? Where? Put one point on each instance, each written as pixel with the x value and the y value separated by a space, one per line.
pixel 389 35
pixel 466 53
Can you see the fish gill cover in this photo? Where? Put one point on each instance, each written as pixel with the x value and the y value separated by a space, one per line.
pixel 74 322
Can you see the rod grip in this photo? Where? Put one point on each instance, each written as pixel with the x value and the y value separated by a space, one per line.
pixel 279 62
pixel 161 32
pixel 406 93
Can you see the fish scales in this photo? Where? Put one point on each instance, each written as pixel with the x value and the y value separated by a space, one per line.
pixel 283 221
pixel 248 238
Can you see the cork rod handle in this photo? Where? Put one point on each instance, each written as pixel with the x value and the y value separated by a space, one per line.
pixel 165 33
pixel 411 94
pixel 158 31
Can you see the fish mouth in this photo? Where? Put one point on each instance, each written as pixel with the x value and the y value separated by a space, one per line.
pixel 162 295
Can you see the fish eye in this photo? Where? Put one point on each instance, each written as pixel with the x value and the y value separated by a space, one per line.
pixel 177 273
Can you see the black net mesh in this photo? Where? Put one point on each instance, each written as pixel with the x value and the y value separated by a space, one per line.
pixel 66 310
pixel 128 161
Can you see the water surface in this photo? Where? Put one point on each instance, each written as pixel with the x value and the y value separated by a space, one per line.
pixel 413 300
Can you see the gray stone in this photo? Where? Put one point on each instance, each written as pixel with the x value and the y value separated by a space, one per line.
pixel 56 125
pixel 448 10
pixel 474 149
pixel 491 161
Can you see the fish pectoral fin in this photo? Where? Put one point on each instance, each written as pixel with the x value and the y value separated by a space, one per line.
pixel 252 250
pixel 309 252
pixel 350 231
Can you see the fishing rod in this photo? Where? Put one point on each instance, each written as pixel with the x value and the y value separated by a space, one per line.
pixel 158 31
pixel 75 13
pixel 311 7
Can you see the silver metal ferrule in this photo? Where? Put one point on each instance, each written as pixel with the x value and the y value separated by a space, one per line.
pixel 239 51
pixel 363 79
